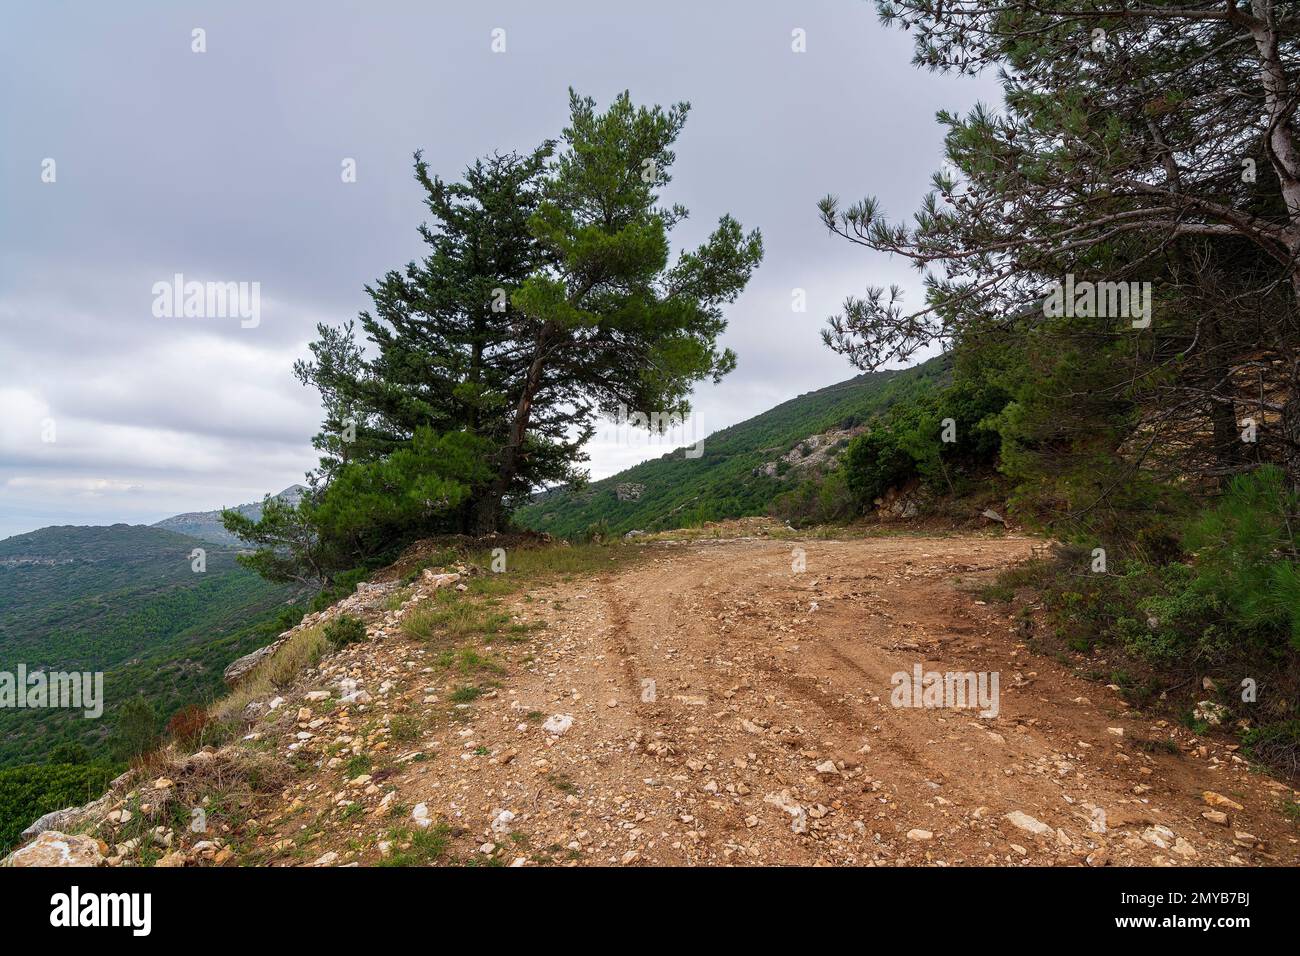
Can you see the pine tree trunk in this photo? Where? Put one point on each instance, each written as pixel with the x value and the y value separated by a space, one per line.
pixel 486 516
pixel 1225 432
pixel 1290 425
pixel 1290 420
pixel 489 510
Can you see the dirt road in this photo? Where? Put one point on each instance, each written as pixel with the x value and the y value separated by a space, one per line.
pixel 727 707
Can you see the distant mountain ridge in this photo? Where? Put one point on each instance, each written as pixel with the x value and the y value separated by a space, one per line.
pixel 66 543
pixel 207 526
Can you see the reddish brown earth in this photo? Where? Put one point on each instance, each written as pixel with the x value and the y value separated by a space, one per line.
pixel 770 737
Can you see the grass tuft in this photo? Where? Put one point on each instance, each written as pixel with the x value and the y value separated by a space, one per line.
pixel 418 847
pixel 299 652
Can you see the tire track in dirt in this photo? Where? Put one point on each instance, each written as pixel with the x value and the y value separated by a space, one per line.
pixel 618 633
pixel 817 682
pixel 772 739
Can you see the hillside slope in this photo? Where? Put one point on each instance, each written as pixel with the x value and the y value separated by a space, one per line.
pixel 122 599
pixel 723 483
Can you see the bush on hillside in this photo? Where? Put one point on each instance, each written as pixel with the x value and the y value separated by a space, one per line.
pixel 873 463
pixel 345 630
pixel 1246 554
pixel 366 514
pixel 187 725
pixel 136 730
pixel 1231 609
pixel 816 501
pixel 70 753
pixel 1277 745
pixel 908 443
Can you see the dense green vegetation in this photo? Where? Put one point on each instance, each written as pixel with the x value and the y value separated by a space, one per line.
pixel 124 600
pixel 945 437
pixel 29 792
pixel 1213 594
pixel 722 482
pixel 1208 591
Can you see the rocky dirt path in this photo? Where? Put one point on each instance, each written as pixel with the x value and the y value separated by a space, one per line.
pixel 713 704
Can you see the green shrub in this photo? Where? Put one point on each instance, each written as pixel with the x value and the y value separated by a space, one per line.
pixel 1277 745
pixel 1246 555
pixel 358 765
pixel 418 847
pixel 816 501
pixel 345 630
pixel 465 693
pixel 404 727
pixel 367 512
pixel 875 462
pixel 136 731
pixel 69 753
pixel 1159 545
pixel 907 442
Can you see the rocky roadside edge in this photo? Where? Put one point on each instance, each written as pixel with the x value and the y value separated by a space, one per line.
pixel 137 822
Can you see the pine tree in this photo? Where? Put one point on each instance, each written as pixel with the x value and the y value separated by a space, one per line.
pixel 608 321
pixel 1151 143
pixel 444 355
pixel 547 298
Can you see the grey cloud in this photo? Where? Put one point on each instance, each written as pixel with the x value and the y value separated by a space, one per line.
pixel 224 166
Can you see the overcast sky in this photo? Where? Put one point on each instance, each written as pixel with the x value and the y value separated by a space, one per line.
pixel 225 166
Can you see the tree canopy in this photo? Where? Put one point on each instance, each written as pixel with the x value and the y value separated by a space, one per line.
pixel 1141 150
pixel 549 296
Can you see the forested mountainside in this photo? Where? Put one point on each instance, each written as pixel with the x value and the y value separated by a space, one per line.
pixel 729 480
pixel 125 600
